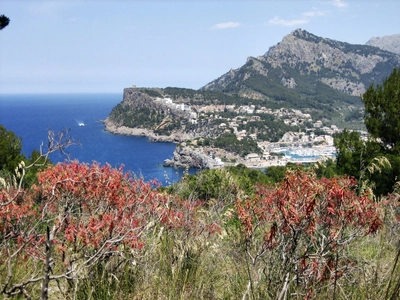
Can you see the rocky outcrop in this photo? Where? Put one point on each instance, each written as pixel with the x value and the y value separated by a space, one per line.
pixel 175 137
pixel 190 157
pixel 152 113
pixel 312 53
pixel 187 156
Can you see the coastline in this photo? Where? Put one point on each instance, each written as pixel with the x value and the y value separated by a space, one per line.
pixel 182 157
pixel 123 130
pixel 187 156
pixel 143 132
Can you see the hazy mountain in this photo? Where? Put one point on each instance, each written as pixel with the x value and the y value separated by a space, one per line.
pixel 389 43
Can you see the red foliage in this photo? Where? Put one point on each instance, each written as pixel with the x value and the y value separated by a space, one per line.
pixel 16 213
pixel 92 210
pixel 99 205
pixel 309 221
pixel 86 213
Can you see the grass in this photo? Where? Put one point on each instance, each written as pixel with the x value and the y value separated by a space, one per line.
pixel 175 266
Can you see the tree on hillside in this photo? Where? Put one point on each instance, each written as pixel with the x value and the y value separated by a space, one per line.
pixel 376 161
pixel 13 160
pixel 382 111
pixel 10 150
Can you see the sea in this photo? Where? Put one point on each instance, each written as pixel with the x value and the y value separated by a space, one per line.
pixel 31 116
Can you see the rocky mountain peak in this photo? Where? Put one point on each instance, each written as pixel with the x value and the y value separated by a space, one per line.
pixel 303 34
pixel 389 43
pixel 314 54
pixel 301 60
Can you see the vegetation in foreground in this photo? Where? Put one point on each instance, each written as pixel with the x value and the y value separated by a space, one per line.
pixel 83 231
pixel 93 232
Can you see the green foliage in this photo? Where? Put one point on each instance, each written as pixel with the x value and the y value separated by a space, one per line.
pixel 11 158
pixel 326 169
pixel 276 173
pixel 229 142
pixel 351 153
pixel 268 128
pixel 382 111
pixel 382 119
pixel 153 93
pixel 38 163
pixel 142 117
pixel 217 184
pixel 354 115
pixel 203 97
pixel 221 185
pixel 10 150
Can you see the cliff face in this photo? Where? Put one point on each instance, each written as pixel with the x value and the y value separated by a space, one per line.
pixel 151 113
pixel 188 157
pixel 139 109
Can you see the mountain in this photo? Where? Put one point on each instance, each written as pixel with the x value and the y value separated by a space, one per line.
pixel 310 73
pixel 297 85
pixel 389 43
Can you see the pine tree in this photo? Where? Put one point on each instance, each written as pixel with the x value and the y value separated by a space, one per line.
pixel 382 111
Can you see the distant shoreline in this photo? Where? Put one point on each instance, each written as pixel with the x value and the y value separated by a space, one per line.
pixel 123 130
pixel 177 138
pixel 143 132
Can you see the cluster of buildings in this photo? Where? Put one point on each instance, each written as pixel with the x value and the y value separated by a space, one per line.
pixel 293 146
pixel 178 106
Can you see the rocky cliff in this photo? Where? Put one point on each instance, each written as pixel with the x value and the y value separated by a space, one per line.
pixel 389 43
pixel 152 113
pixel 189 157
pixel 174 137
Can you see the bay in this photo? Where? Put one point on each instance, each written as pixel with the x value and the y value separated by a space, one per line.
pixel 30 116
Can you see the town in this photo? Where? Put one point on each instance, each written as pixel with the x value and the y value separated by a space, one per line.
pixel 312 143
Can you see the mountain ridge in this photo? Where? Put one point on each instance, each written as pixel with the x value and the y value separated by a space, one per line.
pixel 303 60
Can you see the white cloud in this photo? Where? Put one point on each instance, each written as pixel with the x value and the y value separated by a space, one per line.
pixel 304 19
pixel 226 25
pixel 339 3
pixel 314 13
pixel 288 23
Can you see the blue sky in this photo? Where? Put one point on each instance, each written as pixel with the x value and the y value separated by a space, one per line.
pixel 103 46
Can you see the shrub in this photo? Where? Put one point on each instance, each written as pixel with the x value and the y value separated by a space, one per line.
pixel 296 233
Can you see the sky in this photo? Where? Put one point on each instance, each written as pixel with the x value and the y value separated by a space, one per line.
pixel 88 46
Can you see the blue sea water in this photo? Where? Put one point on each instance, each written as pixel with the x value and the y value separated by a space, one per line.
pixel 30 116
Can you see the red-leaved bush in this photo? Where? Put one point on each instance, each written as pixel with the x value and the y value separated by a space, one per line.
pixel 99 207
pixel 304 224
pixel 16 218
pixel 79 214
